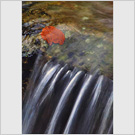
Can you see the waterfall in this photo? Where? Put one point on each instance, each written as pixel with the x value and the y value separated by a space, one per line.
pixel 66 100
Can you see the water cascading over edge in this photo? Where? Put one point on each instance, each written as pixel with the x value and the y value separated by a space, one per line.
pixel 65 100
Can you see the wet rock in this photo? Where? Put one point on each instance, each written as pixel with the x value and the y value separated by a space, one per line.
pixel 86 41
pixel 70 54
pixel 82 63
pixel 67 34
pixel 37 42
pixel 82 54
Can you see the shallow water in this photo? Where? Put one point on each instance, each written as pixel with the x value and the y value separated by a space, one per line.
pixel 88 28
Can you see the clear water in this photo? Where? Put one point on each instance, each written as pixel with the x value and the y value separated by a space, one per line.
pixel 88 28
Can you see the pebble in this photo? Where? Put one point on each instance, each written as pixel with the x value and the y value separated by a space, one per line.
pixel 87 40
pixel 100 45
pixel 70 54
pixel 83 28
pixel 85 18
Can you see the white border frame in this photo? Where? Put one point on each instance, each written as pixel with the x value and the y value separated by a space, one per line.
pixel 12 40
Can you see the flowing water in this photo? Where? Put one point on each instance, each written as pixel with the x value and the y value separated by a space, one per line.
pixel 74 96
pixel 64 99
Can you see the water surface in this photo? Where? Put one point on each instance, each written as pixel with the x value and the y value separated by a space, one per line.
pixel 88 28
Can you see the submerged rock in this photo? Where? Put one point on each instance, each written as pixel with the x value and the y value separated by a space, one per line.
pixel 88 34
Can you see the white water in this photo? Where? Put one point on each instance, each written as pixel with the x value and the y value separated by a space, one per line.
pixel 62 102
pixel 27 120
pixel 77 103
pixel 89 92
pixel 106 113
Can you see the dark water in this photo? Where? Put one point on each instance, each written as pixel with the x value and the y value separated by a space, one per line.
pixel 64 99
